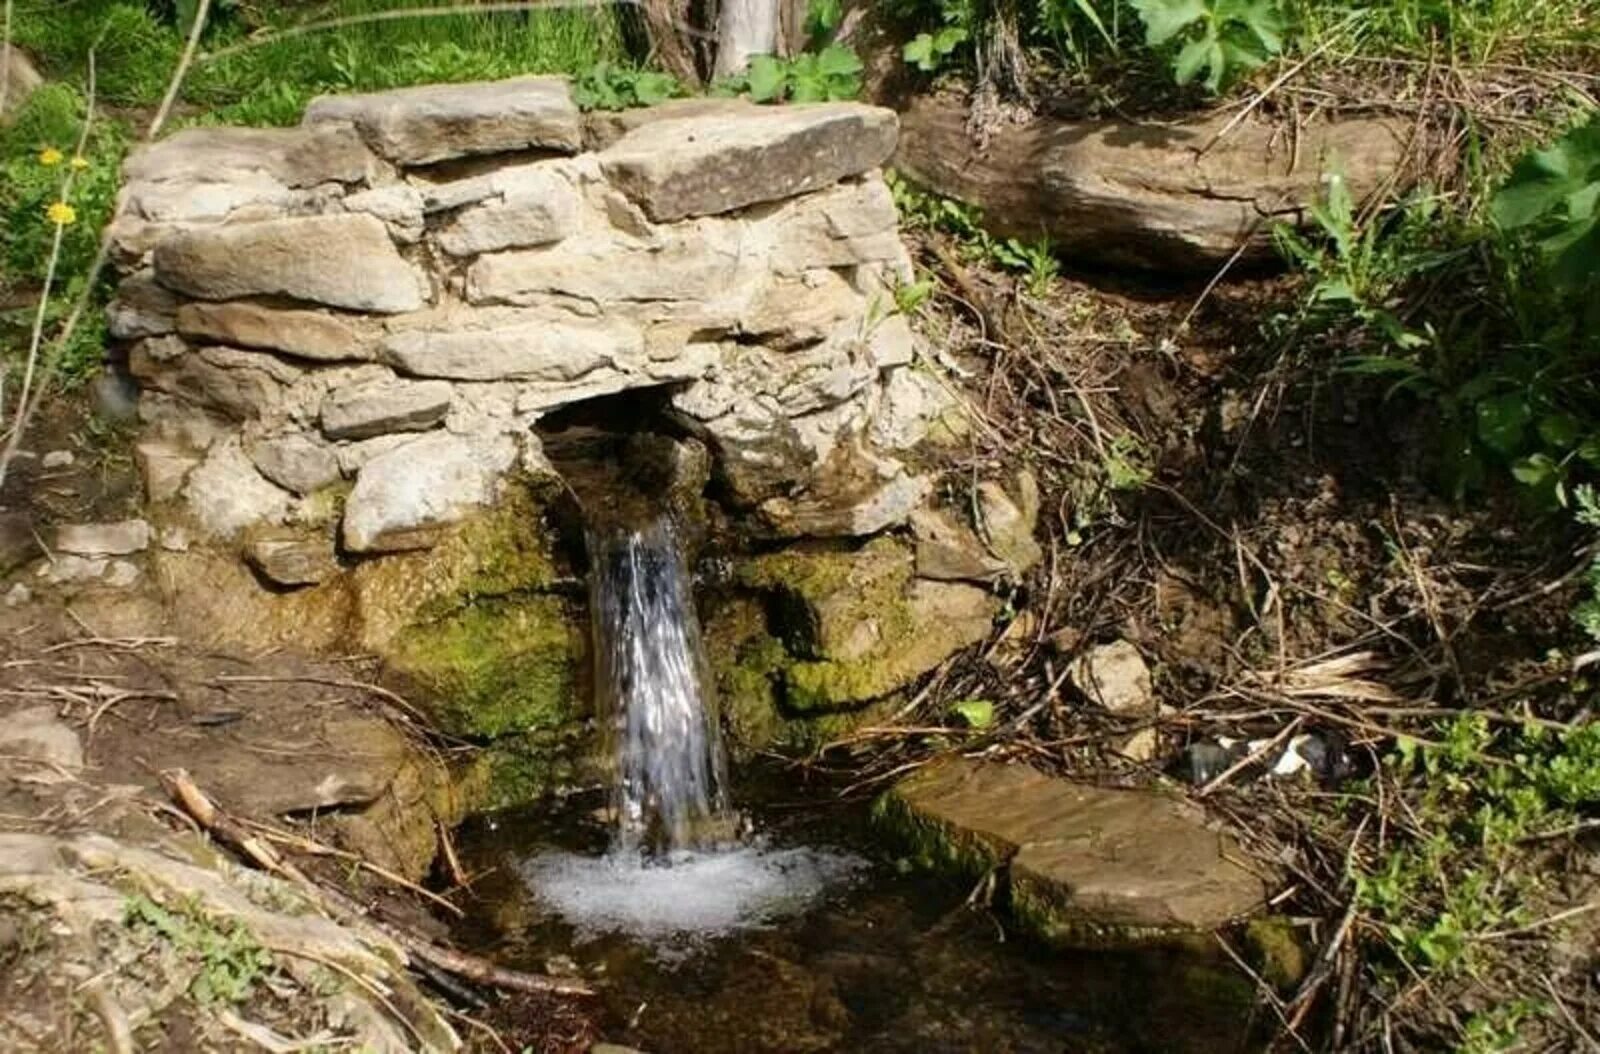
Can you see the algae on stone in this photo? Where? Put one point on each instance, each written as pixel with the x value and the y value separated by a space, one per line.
pixel 496 666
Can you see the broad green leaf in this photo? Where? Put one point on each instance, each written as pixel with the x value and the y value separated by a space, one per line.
pixel 948 39
pixel 768 77
pixel 977 713
pixel 919 52
pixel 836 60
pixel 822 18
pixel 1545 180
pixel 1560 430
pixel 1537 471
pixel 1589 450
pixel 1165 19
pixel 1186 67
pixel 1502 422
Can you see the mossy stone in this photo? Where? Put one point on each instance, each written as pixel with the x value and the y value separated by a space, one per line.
pixel 496 666
pixel 1276 951
pixel 518 769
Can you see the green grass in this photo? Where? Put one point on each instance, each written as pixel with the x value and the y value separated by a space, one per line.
pixel 135 50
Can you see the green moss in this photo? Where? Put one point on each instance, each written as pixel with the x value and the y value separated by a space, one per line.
pixel 496 667
pixel 930 844
pixel 1276 951
pixel 810 687
pixel 508 549
pixel 822 598
pixel 521 769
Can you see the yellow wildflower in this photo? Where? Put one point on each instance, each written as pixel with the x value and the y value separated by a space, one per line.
pixel 61 214
pixel 80 163
pixel 49 157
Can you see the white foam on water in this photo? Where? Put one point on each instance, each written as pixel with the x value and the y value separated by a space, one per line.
pixel 695 895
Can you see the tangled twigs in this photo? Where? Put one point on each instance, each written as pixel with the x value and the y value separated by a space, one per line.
pixel 232 833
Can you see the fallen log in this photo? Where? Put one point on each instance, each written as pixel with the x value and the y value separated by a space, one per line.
pixel 1181 196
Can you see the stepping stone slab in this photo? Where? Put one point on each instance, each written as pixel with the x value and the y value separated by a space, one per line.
pixel 1087 865
pixel 436 122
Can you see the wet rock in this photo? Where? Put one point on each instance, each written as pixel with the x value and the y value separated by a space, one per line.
pixel 225 493
pixel 367 410
pixel 143 308
pixel 317 335
pixel 18 544
pixel 103 539
pixel 296 462
pixel 39 735
pixel 20 78
pixel 1087 865
pixel 1115 677
pixel 856 626
pixel 292 560
pixel 402 497
pixel 703 165
pixel 416 126
pixel 1278 953
pixel 1008 525
pixel 848 504
pixel 344 261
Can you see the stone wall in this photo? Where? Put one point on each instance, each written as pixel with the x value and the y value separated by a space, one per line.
pixel 347 332
pixel 388 297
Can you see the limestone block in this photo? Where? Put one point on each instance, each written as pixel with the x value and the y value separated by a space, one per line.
pixel 142 308
pixel 164 466
pixel 520 347
pixel 291 559
pixel 292 157
pixel 342 260
pixel 238 384
pixel 226 494
pixel 417 126
pixel 709 164
pixel 364 410
pixel 397 204
pixel 321 336
pixel 848 225
pixel 20 78
pixel 403 497
pixel 699 262
pixel 103 539
pixel 536 207
pixel 296 462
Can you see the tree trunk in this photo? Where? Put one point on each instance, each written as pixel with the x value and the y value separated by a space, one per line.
pixel 745 28
pixel 667 22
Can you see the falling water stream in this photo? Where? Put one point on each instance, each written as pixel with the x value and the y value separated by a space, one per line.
pixel 678 868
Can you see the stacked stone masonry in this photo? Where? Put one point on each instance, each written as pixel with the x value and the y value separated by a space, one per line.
pixel 382 302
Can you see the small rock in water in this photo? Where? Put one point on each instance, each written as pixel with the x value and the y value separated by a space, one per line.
pixel 103 539
pixel 57 459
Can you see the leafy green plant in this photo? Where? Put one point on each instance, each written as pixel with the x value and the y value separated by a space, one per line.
pixel 929 52
pixel 1036 259
pixel 1587 503
pixel 1222 37
pixel 230 959
pixel 1553 196
pixel 605 86
pixel 831 74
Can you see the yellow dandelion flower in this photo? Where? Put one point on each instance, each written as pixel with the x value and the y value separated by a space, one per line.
pixel 61 214
pixel 49 157
pixel 79 164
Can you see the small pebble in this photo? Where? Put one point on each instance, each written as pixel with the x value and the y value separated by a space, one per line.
pixel 175 540
pixel 122 574
pixel 18 595
pixel 57 459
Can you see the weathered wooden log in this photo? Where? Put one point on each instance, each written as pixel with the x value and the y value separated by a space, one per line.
pixel 1182 196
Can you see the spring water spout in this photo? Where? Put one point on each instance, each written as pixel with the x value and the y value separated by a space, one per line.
pixel 654 692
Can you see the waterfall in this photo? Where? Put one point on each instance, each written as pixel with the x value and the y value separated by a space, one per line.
pixel 653 691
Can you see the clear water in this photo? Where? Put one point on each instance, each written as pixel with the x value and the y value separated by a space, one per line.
pixel 654 693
